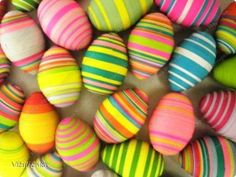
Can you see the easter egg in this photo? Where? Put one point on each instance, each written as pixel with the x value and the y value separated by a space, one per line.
pixel 65 23
pixel 192 61
pixel 11 102
pixel 77 144
pixel 226 30
pixel 225 72
pixel 14 154
pixel 117 15
pixel 25 5
pixel 172 124
pixel 3 8
pixel 22 41
pixel 105 64
pixel 121 115
pixel 133 158
pixel 4 66
pixel 59 77
pixel 209 156
pixel 104 173
pixel 191 13
pixel 150 45
pixel 38 123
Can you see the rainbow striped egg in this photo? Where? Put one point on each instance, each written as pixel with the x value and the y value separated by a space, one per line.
pixel 121 115
pixel 25 5
pixel 3 8
pixel 104 173
pixel 150 45
pixel 77 144
pixel 4 66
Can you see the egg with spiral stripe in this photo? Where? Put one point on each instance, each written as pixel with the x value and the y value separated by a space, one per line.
pixel 192 61
pixel 104 173
pixel 25 5
pixel 3 8
pixel 4 66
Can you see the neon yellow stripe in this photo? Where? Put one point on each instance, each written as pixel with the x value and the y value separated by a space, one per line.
pixel 123 13
pixel 94 17
pixel 143 6
pixel 142 158
pixel 97 77
pixel 129 161
pixel 101 91
pixel 100 6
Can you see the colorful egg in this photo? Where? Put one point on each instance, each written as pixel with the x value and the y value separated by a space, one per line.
pixel 209 156
pixel 77 144
pixel 3 8
pixel 191 13
pixel 65 23
pixel 4 66
pixel 192 61
pixel 226 30
pixel 38 123
pixel 59 77
pixel 14 155
pixel 117 15
pixel 133 158
pixel 11 102
pixel 121 115
pixel 104 173
pixel 25 5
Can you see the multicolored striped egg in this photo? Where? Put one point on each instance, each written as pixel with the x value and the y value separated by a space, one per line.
pixel 150 45
pixel 59 77
pixel 22 41
pixel 38 123
pixel 121 115
pixel 104 173
pixel 11 102
pixel 172 124
pixel 77 144
pixel 65 23
pixel 25 5
pixel 226 30
pixel 3 8
pixel 209 156
pixel 133 158
pixel 190 12
pixel 117 15
pixel 192 61
pixel 4 66
pixel 105 64
pixel 14 154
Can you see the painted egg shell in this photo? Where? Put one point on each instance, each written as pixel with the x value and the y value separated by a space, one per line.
pixel 25 5
pixel 77 144
pixel 104 173
pixel 192 61
pixel 59 77
pixel 11 102
pixel 191 13
pixel 172 124
pixel 38 116
pixel 105 64
pixel 209 156
pixel 226 30
pixel 14 154
pixel 121 115
pixel 150 45
pixel 4 66
pixel 133 158
pixel 65 23
pixel 3 8
pixel 117 15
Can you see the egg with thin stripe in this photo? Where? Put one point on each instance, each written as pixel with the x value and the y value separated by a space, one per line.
pixel 25 5
pixel 4 67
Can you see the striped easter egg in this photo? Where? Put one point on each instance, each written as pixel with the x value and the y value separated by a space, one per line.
pixel 77 144
pixel 192 61
pixel 209 156
pixel 65 23
pixel 25 5
pixel 11 102
pixel 14 154
pixel 150 45
pixel 121 115
pixel 226 30
pixel 22 41
pixel 105 64
pixel 59 77
pixel 133 158
pixel 38 123
pixel 190 12
pixel 117 15
pixel 4 66
pixel 104 173
pixel 3 8
pixel 172 124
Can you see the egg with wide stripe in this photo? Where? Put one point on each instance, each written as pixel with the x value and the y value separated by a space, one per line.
pixel 25 5
pixel 4 66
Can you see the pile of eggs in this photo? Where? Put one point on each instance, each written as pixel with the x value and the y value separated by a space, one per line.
pixel 30 124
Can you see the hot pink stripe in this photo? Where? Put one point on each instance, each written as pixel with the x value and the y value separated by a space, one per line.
pixel 175 13
pixel 44 8
pixel 78 129
pixel 164 146
pixel 86 38
pixel 8 29
pixel 109 44
pixel 29 59
pixel 164 134
pixel 205 12
pixel 211 15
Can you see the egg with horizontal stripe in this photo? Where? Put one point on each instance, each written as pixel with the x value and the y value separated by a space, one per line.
pixel 150 45
pixel 105 64
pixel 191 13
pixel 38 116
pixel 65 23
pixel 4 66
pixel 192 61
pixel 77 144
pixel 209 156
pixel 133 158
pixel 25 5
pixel 117 15
pixel 22 41
pixel 11 103
pixel 104 173
pixel 59 77
pixel 121 115
pixel 3 8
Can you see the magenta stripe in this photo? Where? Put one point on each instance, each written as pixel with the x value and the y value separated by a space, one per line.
pixel 44 6
pixel 69 139
pixel 28 60
pixel 166 147
pixel 163 134
pixel 76 130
